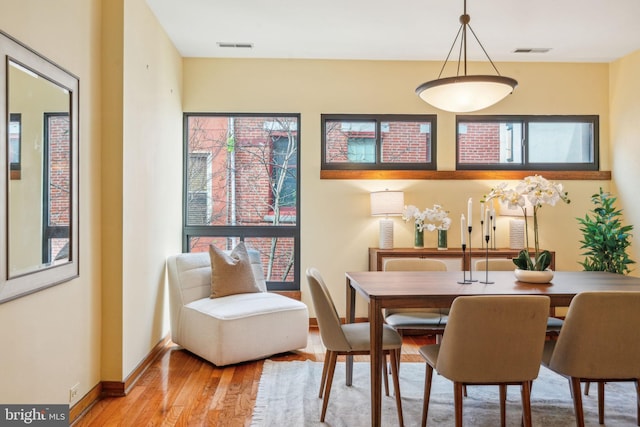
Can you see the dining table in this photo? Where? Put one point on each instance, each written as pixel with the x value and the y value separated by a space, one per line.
pixel 438 289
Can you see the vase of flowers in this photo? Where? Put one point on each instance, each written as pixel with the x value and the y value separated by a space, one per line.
pixel 418 237
pixel 431 219
pixel 531 193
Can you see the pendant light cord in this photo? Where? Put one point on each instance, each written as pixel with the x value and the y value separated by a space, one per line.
pixel 464 23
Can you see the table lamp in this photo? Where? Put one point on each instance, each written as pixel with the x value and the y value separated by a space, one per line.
pixel 386 203
pixel 516 225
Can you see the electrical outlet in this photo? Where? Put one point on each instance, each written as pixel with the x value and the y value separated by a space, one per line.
pixel 73 392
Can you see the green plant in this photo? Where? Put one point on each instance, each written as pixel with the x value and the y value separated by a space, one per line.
pixel 605 238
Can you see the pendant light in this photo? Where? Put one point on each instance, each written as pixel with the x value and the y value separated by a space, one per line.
pixel 465 93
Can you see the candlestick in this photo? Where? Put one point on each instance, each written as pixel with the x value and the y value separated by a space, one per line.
pixel 494 220
pixel 487 224
pixel 469 210
pixel 482 223
pixel 470 228
pixel 486 265
pixel 463 230
pixel 464 270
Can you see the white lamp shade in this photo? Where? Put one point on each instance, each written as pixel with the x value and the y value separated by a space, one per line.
pixel 387 203
pixel 463 94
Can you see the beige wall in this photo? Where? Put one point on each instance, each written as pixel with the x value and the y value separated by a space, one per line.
pixel 102 325
pixel 625 141
pixel 51 339
pixel 142 182
pixel 336 226
pixel 152 177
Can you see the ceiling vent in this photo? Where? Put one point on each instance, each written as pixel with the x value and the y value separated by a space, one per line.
pixel 532 50
pixel 236 45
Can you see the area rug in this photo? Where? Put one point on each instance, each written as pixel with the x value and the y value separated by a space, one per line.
pixel 288 396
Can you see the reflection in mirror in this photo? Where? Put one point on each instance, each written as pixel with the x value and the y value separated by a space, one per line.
pixel 39 201
pixel 40 139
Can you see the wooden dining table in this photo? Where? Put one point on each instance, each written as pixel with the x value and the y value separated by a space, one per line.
pixel 420 289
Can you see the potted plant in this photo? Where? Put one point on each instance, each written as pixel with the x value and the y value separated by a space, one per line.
pixel 605 239
pixel 431 219
pixel 533 191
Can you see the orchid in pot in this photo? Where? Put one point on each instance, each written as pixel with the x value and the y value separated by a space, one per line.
pixel 531 193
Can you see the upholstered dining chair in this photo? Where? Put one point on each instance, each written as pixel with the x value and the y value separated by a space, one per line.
pixel 489 340
pixel 553 323
pixel 430 321
pixel 599 342
pixel 347 339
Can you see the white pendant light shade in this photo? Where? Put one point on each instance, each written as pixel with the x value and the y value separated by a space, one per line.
pixel 463 94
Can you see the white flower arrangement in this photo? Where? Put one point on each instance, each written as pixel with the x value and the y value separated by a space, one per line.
pixel 432 219
pixel 537 191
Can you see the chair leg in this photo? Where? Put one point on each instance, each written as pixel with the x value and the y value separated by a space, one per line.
pixel 601 402
pixel 576 392
pixel 333 357
pixel 396 385
pixel 503 400
pixel 385 376
pixel 525 388
pixel 323 379
pixel 457 398
pixel 586 388
pixel 427 393
pixel 637 401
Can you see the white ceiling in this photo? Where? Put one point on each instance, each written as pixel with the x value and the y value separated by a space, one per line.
pixel 574 30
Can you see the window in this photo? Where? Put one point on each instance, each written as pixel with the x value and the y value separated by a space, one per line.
pixel 378 142
pixel 527 142
pixel 241 184
pixel 57 199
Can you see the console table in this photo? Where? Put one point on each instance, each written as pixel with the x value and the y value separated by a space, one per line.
pixel 452 256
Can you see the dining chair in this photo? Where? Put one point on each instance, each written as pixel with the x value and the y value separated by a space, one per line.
pixel 430 321
pixel 553 323
pixel 489 340
pixel 599 342
pixel 347 339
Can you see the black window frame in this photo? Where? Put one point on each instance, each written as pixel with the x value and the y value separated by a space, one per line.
pixel 378 119
pixel 594 120
pixel 252 231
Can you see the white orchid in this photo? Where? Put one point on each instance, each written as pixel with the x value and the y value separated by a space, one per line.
pixel 430 219
pixel 535 191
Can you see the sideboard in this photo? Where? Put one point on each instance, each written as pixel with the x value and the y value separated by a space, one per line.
pixel 452 256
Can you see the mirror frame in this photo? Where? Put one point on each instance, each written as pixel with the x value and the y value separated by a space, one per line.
pixel 42 276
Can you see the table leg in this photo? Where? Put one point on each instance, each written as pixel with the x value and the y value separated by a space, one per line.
pixel 377 359
pixel 350 318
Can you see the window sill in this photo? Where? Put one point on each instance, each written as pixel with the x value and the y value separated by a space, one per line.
pixel 467 174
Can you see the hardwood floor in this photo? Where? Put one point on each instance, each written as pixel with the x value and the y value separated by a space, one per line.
pixel 181 389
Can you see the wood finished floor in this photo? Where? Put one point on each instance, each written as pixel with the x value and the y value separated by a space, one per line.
pixel 181 389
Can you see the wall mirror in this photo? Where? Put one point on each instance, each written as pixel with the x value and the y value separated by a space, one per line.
pixel 39 158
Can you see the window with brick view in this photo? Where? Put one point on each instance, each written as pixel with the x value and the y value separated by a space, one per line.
pixel 378 142
pixel 542 143
pixel 241 183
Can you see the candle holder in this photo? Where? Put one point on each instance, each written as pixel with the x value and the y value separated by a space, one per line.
pixel 493 239
pixel 486 265
pixel 481 228
pixel 464 270
pixel 470 269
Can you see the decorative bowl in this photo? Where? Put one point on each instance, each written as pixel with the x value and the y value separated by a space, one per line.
pixel 531 276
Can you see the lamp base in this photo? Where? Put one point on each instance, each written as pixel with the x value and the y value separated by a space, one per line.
pixel 386 234
pixel 516 234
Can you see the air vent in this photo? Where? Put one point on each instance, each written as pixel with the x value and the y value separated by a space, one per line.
pixel 236 45
pixel 532 50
